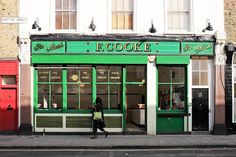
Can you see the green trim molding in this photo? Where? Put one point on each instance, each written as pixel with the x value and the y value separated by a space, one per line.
pixel 173 59
pixel 91 59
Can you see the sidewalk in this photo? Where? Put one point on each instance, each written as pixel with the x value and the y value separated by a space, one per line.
pixel 116 141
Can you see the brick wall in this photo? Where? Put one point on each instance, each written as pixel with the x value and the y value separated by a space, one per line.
pixel 8 32
pixel 230 20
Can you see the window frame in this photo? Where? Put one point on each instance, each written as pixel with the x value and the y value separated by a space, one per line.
pixel 53 16
pixel 179 31
pixel 120 31
pixel 171 85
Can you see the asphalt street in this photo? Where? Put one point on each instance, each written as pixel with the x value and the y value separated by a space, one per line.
pixel 222 152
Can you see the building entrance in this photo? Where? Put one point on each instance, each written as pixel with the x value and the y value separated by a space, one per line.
pixel 8 110
pixel 200 109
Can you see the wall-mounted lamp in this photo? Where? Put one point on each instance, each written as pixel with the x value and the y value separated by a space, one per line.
pixel 152 29
pixel 208 26
pixel 92 26
pixel 36 24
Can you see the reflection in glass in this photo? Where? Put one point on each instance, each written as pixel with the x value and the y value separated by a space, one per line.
pixel 164 97
pixel 178 97
pixel 43 96
pixel 115 95
pixel 177 74
pixel 164 74
pixel 56 100
pixel 102 92
pixel 85 96
pixel 135 73
pixel 8 80
pixel 135 95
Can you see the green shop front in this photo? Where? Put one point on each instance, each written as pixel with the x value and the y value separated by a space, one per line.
pixel 143 82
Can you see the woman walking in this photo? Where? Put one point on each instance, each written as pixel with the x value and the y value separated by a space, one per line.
pixel 98 118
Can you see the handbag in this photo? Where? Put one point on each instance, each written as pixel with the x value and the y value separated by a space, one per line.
pixel 97 115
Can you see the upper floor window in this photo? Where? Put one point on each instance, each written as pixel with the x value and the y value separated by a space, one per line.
pixel 178 13
pixel 66 14
pixel 122 14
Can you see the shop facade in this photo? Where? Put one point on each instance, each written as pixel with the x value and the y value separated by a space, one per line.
pixel 148 84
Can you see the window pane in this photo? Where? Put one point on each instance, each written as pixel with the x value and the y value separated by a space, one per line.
pixel 85 96
pixel 129 21
pixel 73 4
pixel 115 91
pixel 65 4
pixel 204 65
pixel 135 73
pixel 121 21
pixel 43 96
pixel 235 91
pixel 58 20
pixel 73 20
pixel 56 75
pixel 56 97
pixel 102 73
pixel 72 75
pixel 72 96
pixel 195 64
pixel 195 78
pixel 58 5
pixel 9 80
pixel 164 97
pixel 43 75
pixel 178 75
pixel 115 74
pixel 204 78
pixel 102 92
pixel 114 20
pixel 120 5
pixel 86 75
pixel 164 74
pixel 178 96
pixel 65 20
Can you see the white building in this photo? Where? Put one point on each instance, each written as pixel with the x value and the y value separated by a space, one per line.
pixel 152 62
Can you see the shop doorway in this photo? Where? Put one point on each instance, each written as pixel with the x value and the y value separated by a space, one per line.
pixel 8 110
pixel 135 99
pixel 200 109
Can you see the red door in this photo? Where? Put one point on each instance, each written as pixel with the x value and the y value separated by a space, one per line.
pixel 8 110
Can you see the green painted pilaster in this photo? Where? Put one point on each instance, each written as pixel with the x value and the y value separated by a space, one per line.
pixel 64 87
pixel 35 97
pixel 124 106
pixel 94 82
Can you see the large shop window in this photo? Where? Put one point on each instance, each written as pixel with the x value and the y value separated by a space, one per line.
pixel 50 88
pixel 122 14
pixel 171 87
pixel 79 88
pixel 178 15
pixel 109 86
pixel 66 14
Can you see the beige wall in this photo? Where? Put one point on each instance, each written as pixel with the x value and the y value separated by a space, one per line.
pixel 230 20
pixel 8 32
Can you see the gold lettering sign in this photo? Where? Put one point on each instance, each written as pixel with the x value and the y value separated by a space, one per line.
pixel 123 47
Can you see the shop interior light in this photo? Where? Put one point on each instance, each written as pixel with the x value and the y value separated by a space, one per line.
pixel 208 26
pixel 92 26
pixel 152 29
pixel 36 24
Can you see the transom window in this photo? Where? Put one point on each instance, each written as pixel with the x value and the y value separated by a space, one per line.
pixel 66 14
pixel 178 12
pixel 122 14
pixel 200 71
pixel 171 87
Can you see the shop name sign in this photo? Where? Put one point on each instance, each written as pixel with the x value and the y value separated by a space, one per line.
pixel 197 48
pixel 123 47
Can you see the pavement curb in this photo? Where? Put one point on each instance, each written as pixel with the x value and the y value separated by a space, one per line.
pixel 121 147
